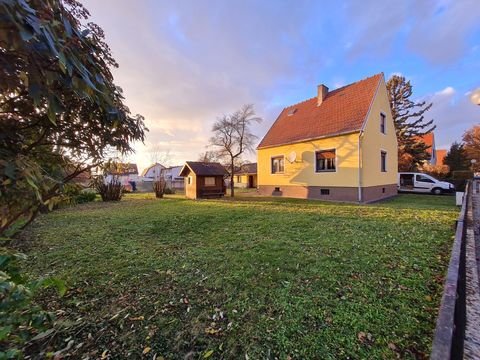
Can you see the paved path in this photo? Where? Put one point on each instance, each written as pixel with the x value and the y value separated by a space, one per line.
pixel 472 330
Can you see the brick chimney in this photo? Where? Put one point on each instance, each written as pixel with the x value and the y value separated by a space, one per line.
pixel 322 94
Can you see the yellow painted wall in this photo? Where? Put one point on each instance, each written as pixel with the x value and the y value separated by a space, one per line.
pixel 242 180
pixel 374 141
pixel 191 189
pixel 302 171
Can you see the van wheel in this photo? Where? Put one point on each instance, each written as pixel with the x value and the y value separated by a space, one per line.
pixel 437 191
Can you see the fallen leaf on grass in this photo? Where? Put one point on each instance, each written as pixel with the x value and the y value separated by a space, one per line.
pixel 208 354
pixel 43 335
pixel 139 318
pixel 146 350
pixel 212 331
pixel 392 346
pixel 365 338
pixel 428 298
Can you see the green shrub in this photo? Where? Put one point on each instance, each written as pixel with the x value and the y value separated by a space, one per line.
pixel 458 183
pixel 20 319
pixel 462 175
pixel 73 194
pixel 85 196
pixel 71 190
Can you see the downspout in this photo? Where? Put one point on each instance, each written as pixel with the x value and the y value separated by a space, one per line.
pixel 360 164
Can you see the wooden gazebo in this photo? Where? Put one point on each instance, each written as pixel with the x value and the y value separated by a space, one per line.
pixel 203 180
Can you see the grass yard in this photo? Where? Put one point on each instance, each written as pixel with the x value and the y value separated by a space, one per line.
pixel 256 278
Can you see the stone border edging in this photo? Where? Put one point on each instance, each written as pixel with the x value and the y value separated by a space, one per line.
pixel 449 332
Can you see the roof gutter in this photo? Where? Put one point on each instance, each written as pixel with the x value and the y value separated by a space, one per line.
pixel 310 139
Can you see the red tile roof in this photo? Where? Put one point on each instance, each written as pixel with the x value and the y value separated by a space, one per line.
pixel 342 111
pixel 441 153
pixel 428 139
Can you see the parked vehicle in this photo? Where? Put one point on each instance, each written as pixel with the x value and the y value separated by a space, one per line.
pixel 423 183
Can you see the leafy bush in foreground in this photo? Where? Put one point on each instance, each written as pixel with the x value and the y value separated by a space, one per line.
pixel 21 320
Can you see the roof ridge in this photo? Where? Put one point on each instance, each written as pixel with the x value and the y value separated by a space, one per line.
pixel 356 82
pixel 334 90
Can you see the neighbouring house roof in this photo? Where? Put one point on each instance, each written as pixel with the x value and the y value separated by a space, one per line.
pixel 343 110
pixel 441 153
pixel 83 177
pixel 203 169
pixel 247 169
pixel 429 140
pixel 147 169
pixel 124 169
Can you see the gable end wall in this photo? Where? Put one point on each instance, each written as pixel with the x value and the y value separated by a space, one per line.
pixel 373 142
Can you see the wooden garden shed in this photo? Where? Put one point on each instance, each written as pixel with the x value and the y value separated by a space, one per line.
pixel 203 180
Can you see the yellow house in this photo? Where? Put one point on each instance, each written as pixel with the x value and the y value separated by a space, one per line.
pixel 340 145
pixel 246 176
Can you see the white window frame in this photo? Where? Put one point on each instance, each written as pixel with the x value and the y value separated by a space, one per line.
pixel 315 161
pixel 271 164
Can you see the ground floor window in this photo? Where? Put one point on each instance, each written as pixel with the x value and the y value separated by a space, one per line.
pixel 325 160
pixel 278 164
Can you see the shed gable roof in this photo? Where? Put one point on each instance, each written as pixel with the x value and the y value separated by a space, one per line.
pixel 203 169
pixel 342 111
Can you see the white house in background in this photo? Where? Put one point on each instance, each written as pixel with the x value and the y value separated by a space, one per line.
pixel 153 172
pixel 172 177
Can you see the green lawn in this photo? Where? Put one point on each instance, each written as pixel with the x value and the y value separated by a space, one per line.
pixel 256 278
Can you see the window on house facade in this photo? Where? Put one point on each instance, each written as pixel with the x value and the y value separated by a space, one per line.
pixel 278 164
pixel 239 179
pixel 189 180
pixel 209 181
pixel 325 160
pixel 292 111
pixel 383 161
pixel 383 124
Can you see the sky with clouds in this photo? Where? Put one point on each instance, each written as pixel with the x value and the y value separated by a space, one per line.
pixel 183 63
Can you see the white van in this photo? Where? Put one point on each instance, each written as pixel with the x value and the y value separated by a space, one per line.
pixel 422 183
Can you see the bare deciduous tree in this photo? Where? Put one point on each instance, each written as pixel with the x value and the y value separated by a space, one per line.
pixel 159 155
pixel 232 136
pixel 209 156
